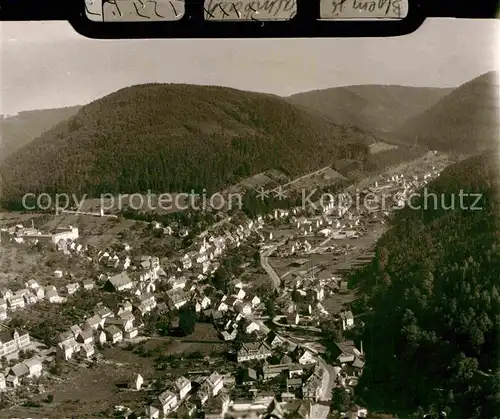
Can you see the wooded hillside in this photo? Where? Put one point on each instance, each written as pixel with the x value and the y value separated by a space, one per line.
pixel 435 292
pixel 167 137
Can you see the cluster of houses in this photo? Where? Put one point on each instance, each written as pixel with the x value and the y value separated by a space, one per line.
pixel 338 218
pixel 138 280
pixel 12 343
pixel 296 369
pixel 22 234
pixel 29 369
pixel 299 372
pixel 211 395
pixel 104 326
pixel 206 391
pixel 147 283
pixel 33 292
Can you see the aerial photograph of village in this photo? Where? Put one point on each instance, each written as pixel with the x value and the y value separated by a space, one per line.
pixel 249 228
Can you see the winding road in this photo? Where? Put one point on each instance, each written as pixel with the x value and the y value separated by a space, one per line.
pixel 329 378
pixel 264 262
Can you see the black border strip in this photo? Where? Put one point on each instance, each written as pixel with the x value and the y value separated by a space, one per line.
pixel 305 24
pixel 17 10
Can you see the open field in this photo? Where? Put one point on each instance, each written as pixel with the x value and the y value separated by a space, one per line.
pixel 256 280
pixel 331 265
pixel 380 147
pixel 97 385
pixel 176 346
pixel 19 263
pixel 338 302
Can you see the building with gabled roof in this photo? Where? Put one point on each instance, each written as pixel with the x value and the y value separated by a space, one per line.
pixel 12 341
pixel 120 282
pixel 253 350
pixel 347 320
pixel 168 401
pixel 214 383
pixel 183 386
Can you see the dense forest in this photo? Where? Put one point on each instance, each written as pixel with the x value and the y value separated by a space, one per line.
pixel 466 120
pixel 171 138
pixel 375 108
pixel 432 339
pixel 19 130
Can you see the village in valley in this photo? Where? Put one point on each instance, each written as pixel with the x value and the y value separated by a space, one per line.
pixel 251 317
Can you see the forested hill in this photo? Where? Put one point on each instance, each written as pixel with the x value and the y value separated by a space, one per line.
pixel 18 130
pixel 173 137
pixel 379 108
pixel 464 121
pixel 435 291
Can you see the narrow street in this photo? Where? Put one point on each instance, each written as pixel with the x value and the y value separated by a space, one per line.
pixel 264 262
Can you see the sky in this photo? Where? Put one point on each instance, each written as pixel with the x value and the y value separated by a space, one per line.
pixel 48 65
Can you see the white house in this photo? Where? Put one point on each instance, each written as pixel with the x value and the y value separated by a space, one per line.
pixel 186 262
pixel 12 342
pixel 243 308
pixel 39 292
pixel 120 282
pixel 229 336
pixel 72 288
pixel 177 283
pixel 138 382
pixel 65 350
pixel 205 302
pixel 183 386
pixel 17 373
pixel 52 296
pixel 214 382
pixel 222 306
pixel 307 357
pixel 76 330
pixel 16 301
pixel 94 322
pixel 34 366
pixel 125 306
pixel 347 320
pixel 240 293
pixel 252 327
pixel 168 401
pixel 101 337
pixel 32 284
pixel 87 350
pixel 177 298
pixel 85 337
pixel 114 334
pixel 152 412
pixel 88 284
pixel 255 301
